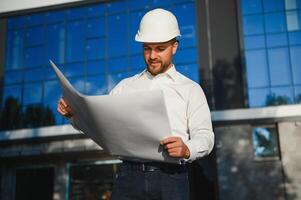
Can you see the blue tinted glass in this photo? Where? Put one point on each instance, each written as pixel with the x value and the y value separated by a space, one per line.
pixel 298 94
pixel 96 10
pixel 137 62
pixel 55 16
pixel 35 36
pixel 258 97
pixel 33 75
pixel 276 40
pixel 96 27
pixel 114 7
pixel 12 77
pixel 75 41
pixel 275 22
pixel 281 95
pixel 35 19
pixel 290 4
pixel 257 71
pixel 78 84
pixel 117 35
pixel 191 71
pixel 186 19
pixel 12 91
pixel 135 17
pixel 33 57
pixel 295 53
pixel 279 66
pixel 48 72
pixel 52 93
pixel 294 37
pixel 293 20
pixel 251 6
pixel 96 85
pixel 254 42
pixel 138 5
pixel 76 13
pixel 95 48
pixel 273 5
pixel 74 69
pixel 16 22
pixel 55 45
pixel 118 65
pixel 186 55
pixel 14 50
pixel 32 94
pixel 95 67
pixel 253 24
pixel 158 3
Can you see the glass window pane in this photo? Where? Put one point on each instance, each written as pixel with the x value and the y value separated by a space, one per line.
pixel 35 19
pixel 293 21
pixel 138 5
pixel 76 13
pixel 275 22
pixel 184 56
pixel 119 6
pixel 186 19
pixel 279 66
pixel 294 37
pixel 32 94
pixel 273 5
pixel 33 57
pixel 96 10
pixel 96 27
pixel 34 36
pixel 258 97
pixel 75 41
pixel 118 65
pixel 251 6
pixel 96 67
pixel 290 4
pixel 135 17
pixel 190 70
pixel 52 93
pixel 55 45
pixel 16 22
pixel 265 142
pixel 257 71
pixel 276 40
pixel 296 63
pixel 33 75
pixel 12 91
pixel 113 79
pixel 95 48
pixel 280 96
pixel 298 94
pixel 254 42
pixel 74 69
pixel 14 50
pixel 96 85
pixel 253 25
pixel 13 77
pixel 54 16
pixel 137 62
pixel 117 42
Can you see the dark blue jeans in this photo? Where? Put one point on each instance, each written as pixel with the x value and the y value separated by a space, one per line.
pixel 151 181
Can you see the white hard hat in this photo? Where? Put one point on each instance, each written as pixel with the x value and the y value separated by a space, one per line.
pixel 158 25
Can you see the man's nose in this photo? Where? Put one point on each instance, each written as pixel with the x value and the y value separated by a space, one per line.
pixel 153 54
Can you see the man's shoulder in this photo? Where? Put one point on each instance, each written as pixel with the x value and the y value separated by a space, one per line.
pixel 184 80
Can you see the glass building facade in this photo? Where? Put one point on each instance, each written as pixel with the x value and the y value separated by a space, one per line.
pixel 93 45
pixel 271 31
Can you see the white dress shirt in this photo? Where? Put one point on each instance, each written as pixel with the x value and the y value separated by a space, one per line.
pixel 187 107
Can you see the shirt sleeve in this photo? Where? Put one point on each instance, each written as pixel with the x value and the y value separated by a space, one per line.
pixel 201 140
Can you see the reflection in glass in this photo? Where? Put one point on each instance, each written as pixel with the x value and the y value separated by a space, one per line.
pixel 265 142
pixel 13 77
pixel 55 43
pixel 295 53
pixel 118 65
pixel 292 20
pixel 251 6
pixel 75 41
pixel 34 36
pixel 14 49
pixel 254 42
pixel 190 71
pixel 33 75
pixel 33 57
pixel 279 66
pixel 96 85
pixel 95 48
pixel 96 27
pixel 258 97
pixel 298 94
pixel 32 94
pixel 274 22
pixel 13 91
pixel 280 95
pixel 273 5
pixel 294 37
pixel 276 40
pixel 253 24
pixel 95 67
pixel 74 69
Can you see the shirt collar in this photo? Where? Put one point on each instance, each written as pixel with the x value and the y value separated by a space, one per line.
pixel 171 73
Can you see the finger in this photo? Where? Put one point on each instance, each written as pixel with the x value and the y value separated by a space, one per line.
pixel 172 145
pixel 169 140
pixel 62 101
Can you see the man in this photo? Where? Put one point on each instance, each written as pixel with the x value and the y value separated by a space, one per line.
pixel 192 136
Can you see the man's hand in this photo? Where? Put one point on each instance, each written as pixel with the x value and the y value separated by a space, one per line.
pixel 176 147
pixel 64 109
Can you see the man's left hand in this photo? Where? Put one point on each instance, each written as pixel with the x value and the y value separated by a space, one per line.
pixel 176 147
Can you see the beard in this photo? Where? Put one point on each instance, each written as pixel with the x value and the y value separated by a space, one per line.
pixel 156 66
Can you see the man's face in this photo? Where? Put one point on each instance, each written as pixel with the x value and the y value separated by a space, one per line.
pixel 158 56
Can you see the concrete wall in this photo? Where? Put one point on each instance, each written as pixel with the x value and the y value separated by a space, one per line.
pixel 239 175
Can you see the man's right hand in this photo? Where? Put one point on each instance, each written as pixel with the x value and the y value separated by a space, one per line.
pixel 64 109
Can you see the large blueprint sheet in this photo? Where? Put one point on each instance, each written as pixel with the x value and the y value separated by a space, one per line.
pixel 128 125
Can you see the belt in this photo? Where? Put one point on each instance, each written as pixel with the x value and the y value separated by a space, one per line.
pixel 154 166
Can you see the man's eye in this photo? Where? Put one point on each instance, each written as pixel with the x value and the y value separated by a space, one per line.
pixel 161 49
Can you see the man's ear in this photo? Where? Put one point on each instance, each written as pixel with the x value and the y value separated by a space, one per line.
pixel 175 47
